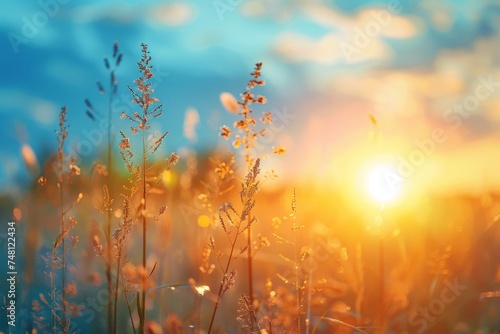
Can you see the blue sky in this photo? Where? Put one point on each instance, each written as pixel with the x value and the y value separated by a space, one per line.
pixel 201 49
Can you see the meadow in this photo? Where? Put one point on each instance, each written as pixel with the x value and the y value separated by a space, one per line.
pixel 145 240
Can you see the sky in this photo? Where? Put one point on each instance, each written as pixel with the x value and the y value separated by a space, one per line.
pixel 353 84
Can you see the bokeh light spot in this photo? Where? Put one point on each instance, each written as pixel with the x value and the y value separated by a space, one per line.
pixel 204 221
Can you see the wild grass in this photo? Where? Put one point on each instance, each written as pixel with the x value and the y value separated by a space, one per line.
pixel 64 169
pixel 111 65
pixel 319 279
pixel 235 224
pixel 247 134
pixel 139 168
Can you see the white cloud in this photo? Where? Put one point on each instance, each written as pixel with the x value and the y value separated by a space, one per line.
pixel 298 48
pixel 41 110
pixel 173 14
pixel 391 25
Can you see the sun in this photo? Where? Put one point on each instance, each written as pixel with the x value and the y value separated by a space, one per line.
pixel 384 184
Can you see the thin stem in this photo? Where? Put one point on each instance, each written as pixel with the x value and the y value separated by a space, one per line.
pixel 53 290
pixel 249 136
pixel 295 261
pixel 143 293
pixel 250 263
pixel 249 236
pixel 63 264
pixel 111 315
pixel 115 307
pixel 296 267
pixel 219 295
pixel 309 296
pixel 128 306
pixel 197 305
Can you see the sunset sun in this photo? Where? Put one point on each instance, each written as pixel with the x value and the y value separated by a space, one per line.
pixel 383 184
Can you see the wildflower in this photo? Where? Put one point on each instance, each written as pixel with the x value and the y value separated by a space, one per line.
pixel 172 160
pixel 263 241
pixel 266 118
pixel 237 142
pixel 241 124
pixel 71 289
pixel 101 170
pixel 261 99
pixel 280 150
pixel 228 281
pixel 75 169
pixel 225 132
pixel 125 143
pixel 42 180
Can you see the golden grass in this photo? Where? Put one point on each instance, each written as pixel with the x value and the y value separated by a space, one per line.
pixel 178 256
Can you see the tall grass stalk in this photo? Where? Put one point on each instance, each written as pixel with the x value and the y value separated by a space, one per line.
pixel 245 219
pixel 296 262
pixel 62 134
pixel 111 66
pixel 138 170
pixel 65 168
pixel 246 126
pixel 112 291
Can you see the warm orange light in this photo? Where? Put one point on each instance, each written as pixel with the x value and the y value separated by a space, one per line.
pixel 204 221
pixel 384 184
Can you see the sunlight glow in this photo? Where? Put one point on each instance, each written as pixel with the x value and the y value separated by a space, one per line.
pixel 202 289
pixel 383 184
pixel 167 177
pixel 204 221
